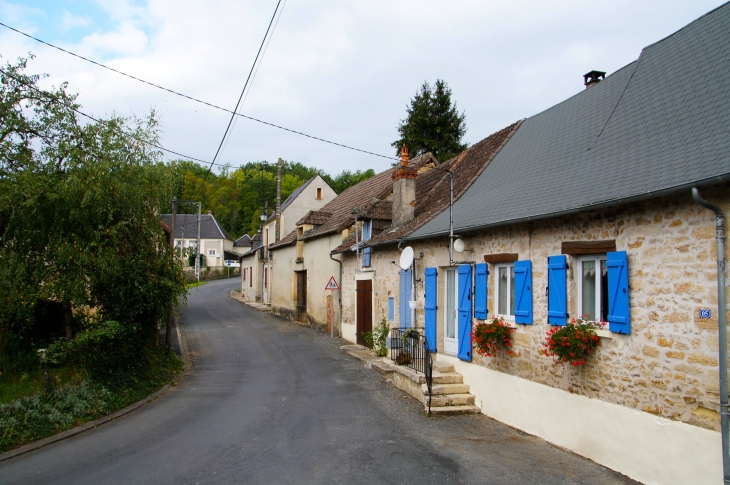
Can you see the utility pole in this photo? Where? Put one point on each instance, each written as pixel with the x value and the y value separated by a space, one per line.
pixel 277 234
pixel 197 256
pixel 171 316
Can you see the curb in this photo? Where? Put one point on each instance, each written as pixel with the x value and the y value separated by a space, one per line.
pixel 98 422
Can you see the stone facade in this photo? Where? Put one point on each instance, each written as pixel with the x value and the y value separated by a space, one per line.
pixel 667 366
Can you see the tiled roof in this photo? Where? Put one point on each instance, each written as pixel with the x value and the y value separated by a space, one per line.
pixel 188 224
pixel 432 187
pixel 289 239
pixel 656 126
pixel 315 218
pixel 358 197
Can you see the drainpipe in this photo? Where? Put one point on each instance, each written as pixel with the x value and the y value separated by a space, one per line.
pixel 724 415
pixel 339 301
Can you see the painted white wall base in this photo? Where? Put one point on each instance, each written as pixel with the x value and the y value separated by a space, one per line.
pixel 647 448
pixel 349 332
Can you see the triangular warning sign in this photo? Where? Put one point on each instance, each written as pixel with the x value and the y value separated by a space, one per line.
pixel 332 284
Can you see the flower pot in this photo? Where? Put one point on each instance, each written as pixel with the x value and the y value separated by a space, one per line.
pixel 403 359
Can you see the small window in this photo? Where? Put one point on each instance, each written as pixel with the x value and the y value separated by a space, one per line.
pixel 266 277
pixel 250 279
pixel 391 308
pixel 505 289
pixel 211 252
pixel 593 287
pixel 319 193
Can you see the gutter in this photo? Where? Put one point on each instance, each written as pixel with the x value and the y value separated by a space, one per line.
pixel 602 205
pixel 722 329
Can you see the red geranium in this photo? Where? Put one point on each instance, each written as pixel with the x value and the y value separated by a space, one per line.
pixel 490 337
pixel 572 343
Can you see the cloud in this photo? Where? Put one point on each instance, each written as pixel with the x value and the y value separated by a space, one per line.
pixel 70 21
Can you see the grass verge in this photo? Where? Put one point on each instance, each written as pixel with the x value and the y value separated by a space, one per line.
pixel 194 284
pixel 37 415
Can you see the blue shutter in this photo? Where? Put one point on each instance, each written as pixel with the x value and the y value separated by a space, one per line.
pixel 430 307
pixel 366 234
pixel 618 292
pixel 480 291
pixel 523 292
pixel 405 296
pixel 464 323
pixel 557 290
pixel 391 309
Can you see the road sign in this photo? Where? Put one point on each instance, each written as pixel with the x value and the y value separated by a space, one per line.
pixel 332 284
pixel 232 263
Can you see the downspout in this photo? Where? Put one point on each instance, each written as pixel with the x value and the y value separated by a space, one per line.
pixel 339 301
pixel 720 234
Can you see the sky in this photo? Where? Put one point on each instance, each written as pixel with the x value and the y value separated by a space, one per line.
pixel 340 70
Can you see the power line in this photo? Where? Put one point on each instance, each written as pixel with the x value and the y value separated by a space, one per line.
pixel 273 125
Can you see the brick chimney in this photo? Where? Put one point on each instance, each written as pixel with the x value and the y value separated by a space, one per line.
pixel 593 77
pixel 404 190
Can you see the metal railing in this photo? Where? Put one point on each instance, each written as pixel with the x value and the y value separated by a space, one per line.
pixel 410 348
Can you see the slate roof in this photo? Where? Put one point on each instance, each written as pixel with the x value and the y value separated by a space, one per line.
pixel 361 196
pixel 255 246
pixel 432 187
pixel 243 241
pixel 209 227
pixel 657 126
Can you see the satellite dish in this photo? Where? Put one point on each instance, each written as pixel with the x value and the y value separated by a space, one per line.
pixel 459 245
pixel 406 258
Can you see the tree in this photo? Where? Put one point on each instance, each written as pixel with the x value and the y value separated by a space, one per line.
pixel 433 124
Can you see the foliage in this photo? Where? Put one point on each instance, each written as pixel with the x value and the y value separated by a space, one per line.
pixel 574 342
pixel 377 339
pixel 81 238
pixel 490 338
pixel 432 124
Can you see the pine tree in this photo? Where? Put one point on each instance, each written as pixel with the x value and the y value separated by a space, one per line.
pixel 433 124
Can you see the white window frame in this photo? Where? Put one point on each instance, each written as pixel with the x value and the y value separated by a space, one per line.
pixel 510 271
pixel 599 290
pixel 211 252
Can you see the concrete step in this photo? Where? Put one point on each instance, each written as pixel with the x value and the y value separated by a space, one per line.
pixel 383 367
pixel 441 400
pixel 447 378
pixel 442 367
pixel 454 410
pixel 446 389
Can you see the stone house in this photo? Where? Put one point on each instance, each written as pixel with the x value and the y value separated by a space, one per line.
pixel 216 245
pixel 311 195
pixel 587 210
pixel 302 266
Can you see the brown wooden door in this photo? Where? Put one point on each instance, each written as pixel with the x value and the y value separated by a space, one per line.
pixel 301 294
pixel 364 308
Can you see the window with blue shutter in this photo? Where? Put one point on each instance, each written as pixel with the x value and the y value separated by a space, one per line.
pixel 367 230
pixel 557 290
pixel 464 298
pixel 480 291
pixel 618 292
pixel 405 296
pixel 391 309
pixel 430 307
pixel 523 292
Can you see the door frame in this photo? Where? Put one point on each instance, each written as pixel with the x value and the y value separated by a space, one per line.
pixel 361 326
pixel 451 346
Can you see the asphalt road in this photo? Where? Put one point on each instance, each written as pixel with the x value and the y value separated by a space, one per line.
pixel 268 401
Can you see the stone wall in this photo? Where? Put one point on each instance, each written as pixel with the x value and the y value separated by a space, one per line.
pixel 667 366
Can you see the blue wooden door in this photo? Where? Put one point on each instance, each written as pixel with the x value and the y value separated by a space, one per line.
pixel 464 312
pixel 430 307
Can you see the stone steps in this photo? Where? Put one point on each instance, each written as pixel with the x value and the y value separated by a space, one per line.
pixel 454 410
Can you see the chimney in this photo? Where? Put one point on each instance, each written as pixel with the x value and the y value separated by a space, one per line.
pixel 593 77
pixel 277 231
pixel 404 190
pixel 210 212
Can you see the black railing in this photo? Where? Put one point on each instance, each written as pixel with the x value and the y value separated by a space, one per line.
pixel 410 348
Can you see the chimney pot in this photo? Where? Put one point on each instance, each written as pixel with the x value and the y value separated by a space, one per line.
pixel 593 77
pixel 404 155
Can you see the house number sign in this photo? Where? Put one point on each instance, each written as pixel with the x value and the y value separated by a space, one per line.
pixel 705 313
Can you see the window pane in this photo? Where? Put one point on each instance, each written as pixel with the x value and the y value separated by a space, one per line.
pixel 502 286
pixel 604 291
pixel 450 304
pixel 588 283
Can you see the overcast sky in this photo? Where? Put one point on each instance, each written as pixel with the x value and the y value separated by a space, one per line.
pixel 340 70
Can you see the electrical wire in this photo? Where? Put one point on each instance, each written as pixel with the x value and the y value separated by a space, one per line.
pixel 273 125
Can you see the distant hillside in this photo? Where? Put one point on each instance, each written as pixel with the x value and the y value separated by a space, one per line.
pixel 237 198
